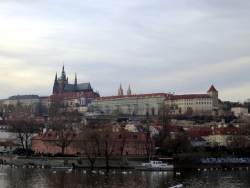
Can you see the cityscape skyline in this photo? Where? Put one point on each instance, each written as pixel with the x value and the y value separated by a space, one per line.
pixel 153 46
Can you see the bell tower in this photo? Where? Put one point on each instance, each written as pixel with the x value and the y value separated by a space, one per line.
pixel 120 91
pixel 129 90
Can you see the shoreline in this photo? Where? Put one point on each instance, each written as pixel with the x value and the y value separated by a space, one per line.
pixel 49 162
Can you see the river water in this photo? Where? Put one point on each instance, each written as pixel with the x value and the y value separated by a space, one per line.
pixel 11 177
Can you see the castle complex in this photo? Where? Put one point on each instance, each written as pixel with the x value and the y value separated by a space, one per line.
pixel 150 104
pixel 61 85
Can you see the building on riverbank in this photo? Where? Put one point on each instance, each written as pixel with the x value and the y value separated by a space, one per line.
pixel 119 143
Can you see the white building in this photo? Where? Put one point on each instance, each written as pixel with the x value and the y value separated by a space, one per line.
pixel 195 103
pixel 130 104
pixel 239 110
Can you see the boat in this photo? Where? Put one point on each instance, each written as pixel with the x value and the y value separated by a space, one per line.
pixel 155 166
pixel 177 186
pixel 62 167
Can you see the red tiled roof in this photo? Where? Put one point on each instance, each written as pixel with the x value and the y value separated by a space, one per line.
pixel 3 122
pixel 9 143
pixel 188 96
pixel 202 131
pixel 212 88
pixel 72 95
pixel 228 131
pixel 195 137
pixel 133 96
pixel 39 117
pixel 198 129
pixel 220 102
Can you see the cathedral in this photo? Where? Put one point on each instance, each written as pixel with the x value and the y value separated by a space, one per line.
pixel 61 85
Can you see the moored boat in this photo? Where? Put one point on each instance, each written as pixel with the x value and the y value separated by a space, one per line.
pixel 154 166
pixel 62 167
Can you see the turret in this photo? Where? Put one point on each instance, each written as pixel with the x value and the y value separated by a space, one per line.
pixel 129 90
pixel 75 80
pixel 212 92
pixel 120 91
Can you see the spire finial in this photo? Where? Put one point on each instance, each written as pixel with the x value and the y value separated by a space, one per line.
pixel 63 75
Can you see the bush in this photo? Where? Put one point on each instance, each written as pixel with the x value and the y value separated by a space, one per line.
pixel 21 151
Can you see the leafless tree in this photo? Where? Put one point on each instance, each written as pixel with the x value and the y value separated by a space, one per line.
pixel 107 144
pixel 178 142
pixel 237 144
pixel 123 136
pixel 148 145
pixel 63 136
pixel 165 119
pixel 89 141
pixel 22 130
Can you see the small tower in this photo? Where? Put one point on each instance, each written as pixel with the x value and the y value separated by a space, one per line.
pixel 212 92
pixel 55 87
pixel 120 91
pixel 75 79
pixel 129 90
pixel 62 81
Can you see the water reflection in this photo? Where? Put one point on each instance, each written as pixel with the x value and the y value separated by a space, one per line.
pixel 48 178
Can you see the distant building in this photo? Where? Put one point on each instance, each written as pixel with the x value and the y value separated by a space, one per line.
pixel 61 85
pixel 25 100
pixel 194 103
pixel 134 143
pixel 199 133
pixel 130 104
pixel 224 135
pixel 4 126
pixel 239 109
pixel 73 100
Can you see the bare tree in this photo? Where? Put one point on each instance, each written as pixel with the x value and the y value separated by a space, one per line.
pixel 22 130
pixel 63 136
pixel 165 119
pixel 107 144
pixel 237 144
pixel 176 143
pixel 123 136
pixel 148 147
pixel 89 141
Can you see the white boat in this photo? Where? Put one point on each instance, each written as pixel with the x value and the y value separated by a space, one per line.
pixel 177 186
pixel 62 167
pixel 154 166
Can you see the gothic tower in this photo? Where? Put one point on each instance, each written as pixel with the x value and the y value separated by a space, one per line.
pixel 60 83
pixel 212 92
pixel 55 87
pixel 120 91
pixel 129 90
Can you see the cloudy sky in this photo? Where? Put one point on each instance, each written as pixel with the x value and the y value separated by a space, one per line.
pixel 153 45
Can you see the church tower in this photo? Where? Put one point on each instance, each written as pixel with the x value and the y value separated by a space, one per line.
pixel 120 91
pixel 55 87
pixel 212 92
pixel 60 83
pixel 129 90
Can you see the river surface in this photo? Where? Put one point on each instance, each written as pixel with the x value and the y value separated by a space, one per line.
pixel 11 177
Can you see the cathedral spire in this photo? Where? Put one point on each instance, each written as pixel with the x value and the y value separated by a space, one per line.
pixel 75 79
pixel 129 90
pixel 56 77
pixel 63 75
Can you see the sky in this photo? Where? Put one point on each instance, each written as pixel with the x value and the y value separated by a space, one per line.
pixel 181 46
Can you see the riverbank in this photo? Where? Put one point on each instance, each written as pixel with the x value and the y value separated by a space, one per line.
pixel 124 163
